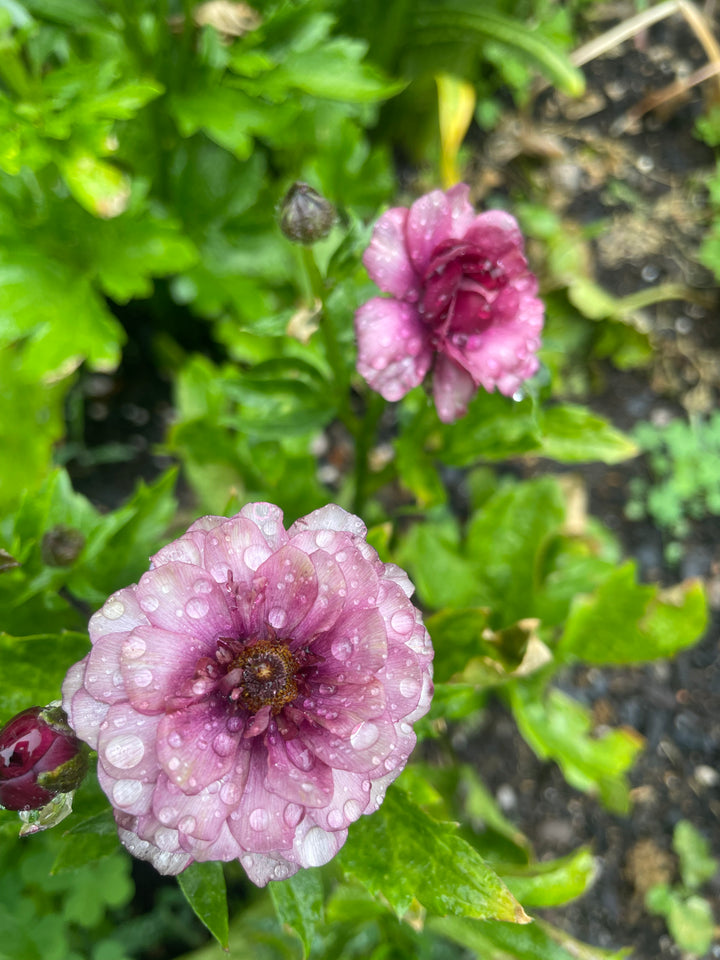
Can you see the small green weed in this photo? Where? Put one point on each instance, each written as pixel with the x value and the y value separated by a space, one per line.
pixel 688 915
pixel 684 459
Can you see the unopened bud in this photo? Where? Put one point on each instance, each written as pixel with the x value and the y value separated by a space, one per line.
pixel 305 215
pixel 40 757
pixel 61 546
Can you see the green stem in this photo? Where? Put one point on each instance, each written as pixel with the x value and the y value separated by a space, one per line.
pixel 364 440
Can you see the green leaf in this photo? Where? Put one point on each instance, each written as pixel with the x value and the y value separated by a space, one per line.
pixel 460 21
pixel 573 434
pixel 90 840
pixel 225 115
pixel 204 887
pixel 332 70
pixel 693 850
pixel 457 636
pixel 625 622
pixel 494 428
pixel 34 668
pixel 79 13
pixel 405 855
pixel 431 553
pixel 691 923
pixel 490 940
pixel 559 728
pixel 506 540
pixel 552 882
pixel 299 904
pixel 98 186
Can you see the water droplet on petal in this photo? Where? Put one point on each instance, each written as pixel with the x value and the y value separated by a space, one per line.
pixel 149 604
pixel 197 608
pixel 335 819
pixel 323 538
pixel 124 751
pixel 403 621
pixel 259 819
pixel 134 647
pixel 223 744
pixel 352 810
pixel 187 824
pixel 202 586
pixel 167 815
pixel 126 792
pixel 143 677
pixel 255 555
pixel 341 648
pixel 277 617
pixel 316 847
pixel 230 793
pixel 166 839
pixel 173 763
pixel 409 687
pixel 113 609
pixel 292 815
pixel 364 735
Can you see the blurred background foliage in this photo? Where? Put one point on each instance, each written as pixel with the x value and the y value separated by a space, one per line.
pixel 144 148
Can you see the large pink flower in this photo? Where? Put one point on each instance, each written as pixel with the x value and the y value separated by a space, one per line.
pixel 254 693
pixel 462 302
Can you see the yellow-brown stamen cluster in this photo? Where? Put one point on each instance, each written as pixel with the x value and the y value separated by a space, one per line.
pixel 264 674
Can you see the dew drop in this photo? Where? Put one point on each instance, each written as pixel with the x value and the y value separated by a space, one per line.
pixel 202 586
pixel 124 751
pixel 167 815
pixel 335 819
pixel 327 689
pixel 255 555
pixel 230 793
pixel 113 609
pixel 323 538
pixel 341 648
pixel 117 679
pixel 197 608
pixel 316 847
pixel 409 687
pixel 258 819
pixel 149 604
pixel 133 648
pixel 281 871
pixel 277 617
pixel 364 735
pixel 352 810
pixel 166 839
pixel 402 621
pixel 173 763
pixel 187 824
pixel 292 815
pixel 143 677
pixel 126 792
pixel 223 745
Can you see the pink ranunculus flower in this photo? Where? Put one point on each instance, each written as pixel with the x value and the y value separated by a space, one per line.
pixel 463 303
pixel 254 693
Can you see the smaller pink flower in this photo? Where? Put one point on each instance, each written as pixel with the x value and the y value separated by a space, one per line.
pixel 462 302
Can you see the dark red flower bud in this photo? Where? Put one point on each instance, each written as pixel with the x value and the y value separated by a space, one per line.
pixel 305 215
pixel 40 757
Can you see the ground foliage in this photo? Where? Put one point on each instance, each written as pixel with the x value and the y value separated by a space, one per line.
pixel 144 148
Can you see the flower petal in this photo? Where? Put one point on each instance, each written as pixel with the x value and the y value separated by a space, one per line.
pixel 453 389
pixel 154 663
pixel 294 773
pixel 291 591
pixel 185 599
pixel 386 258
pixel 187 742
pixel 436 217
pixel 261 821
pixel 126 745
pixel 393 348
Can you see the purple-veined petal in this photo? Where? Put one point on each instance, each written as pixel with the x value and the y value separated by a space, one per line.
pixel 184 599
pixel 185 745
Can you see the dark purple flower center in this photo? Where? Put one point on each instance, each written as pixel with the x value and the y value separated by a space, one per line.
pixel 458 289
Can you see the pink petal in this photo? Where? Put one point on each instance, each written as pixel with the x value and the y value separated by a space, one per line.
pixel 119 613
pixel 436 217
pixel 167 863
pixel 126 745
pixel 494 231
pixel 235 547
pixel 85 713
pixel 291 590
pixel 187 549
pixel 353 650
pixel 269 520
pixel 103 679
pixel 294 773
pixel 199 816
pixel 261 821
pixel 262 868
pixel 350 797
pixel 185 599
pixel 453 389
pixel 386 258
pixel 329 517
pixel 187 746
pixel 130 795
pixel 369 744
pixel 154 663
pixel 393 348
pixel 223 847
